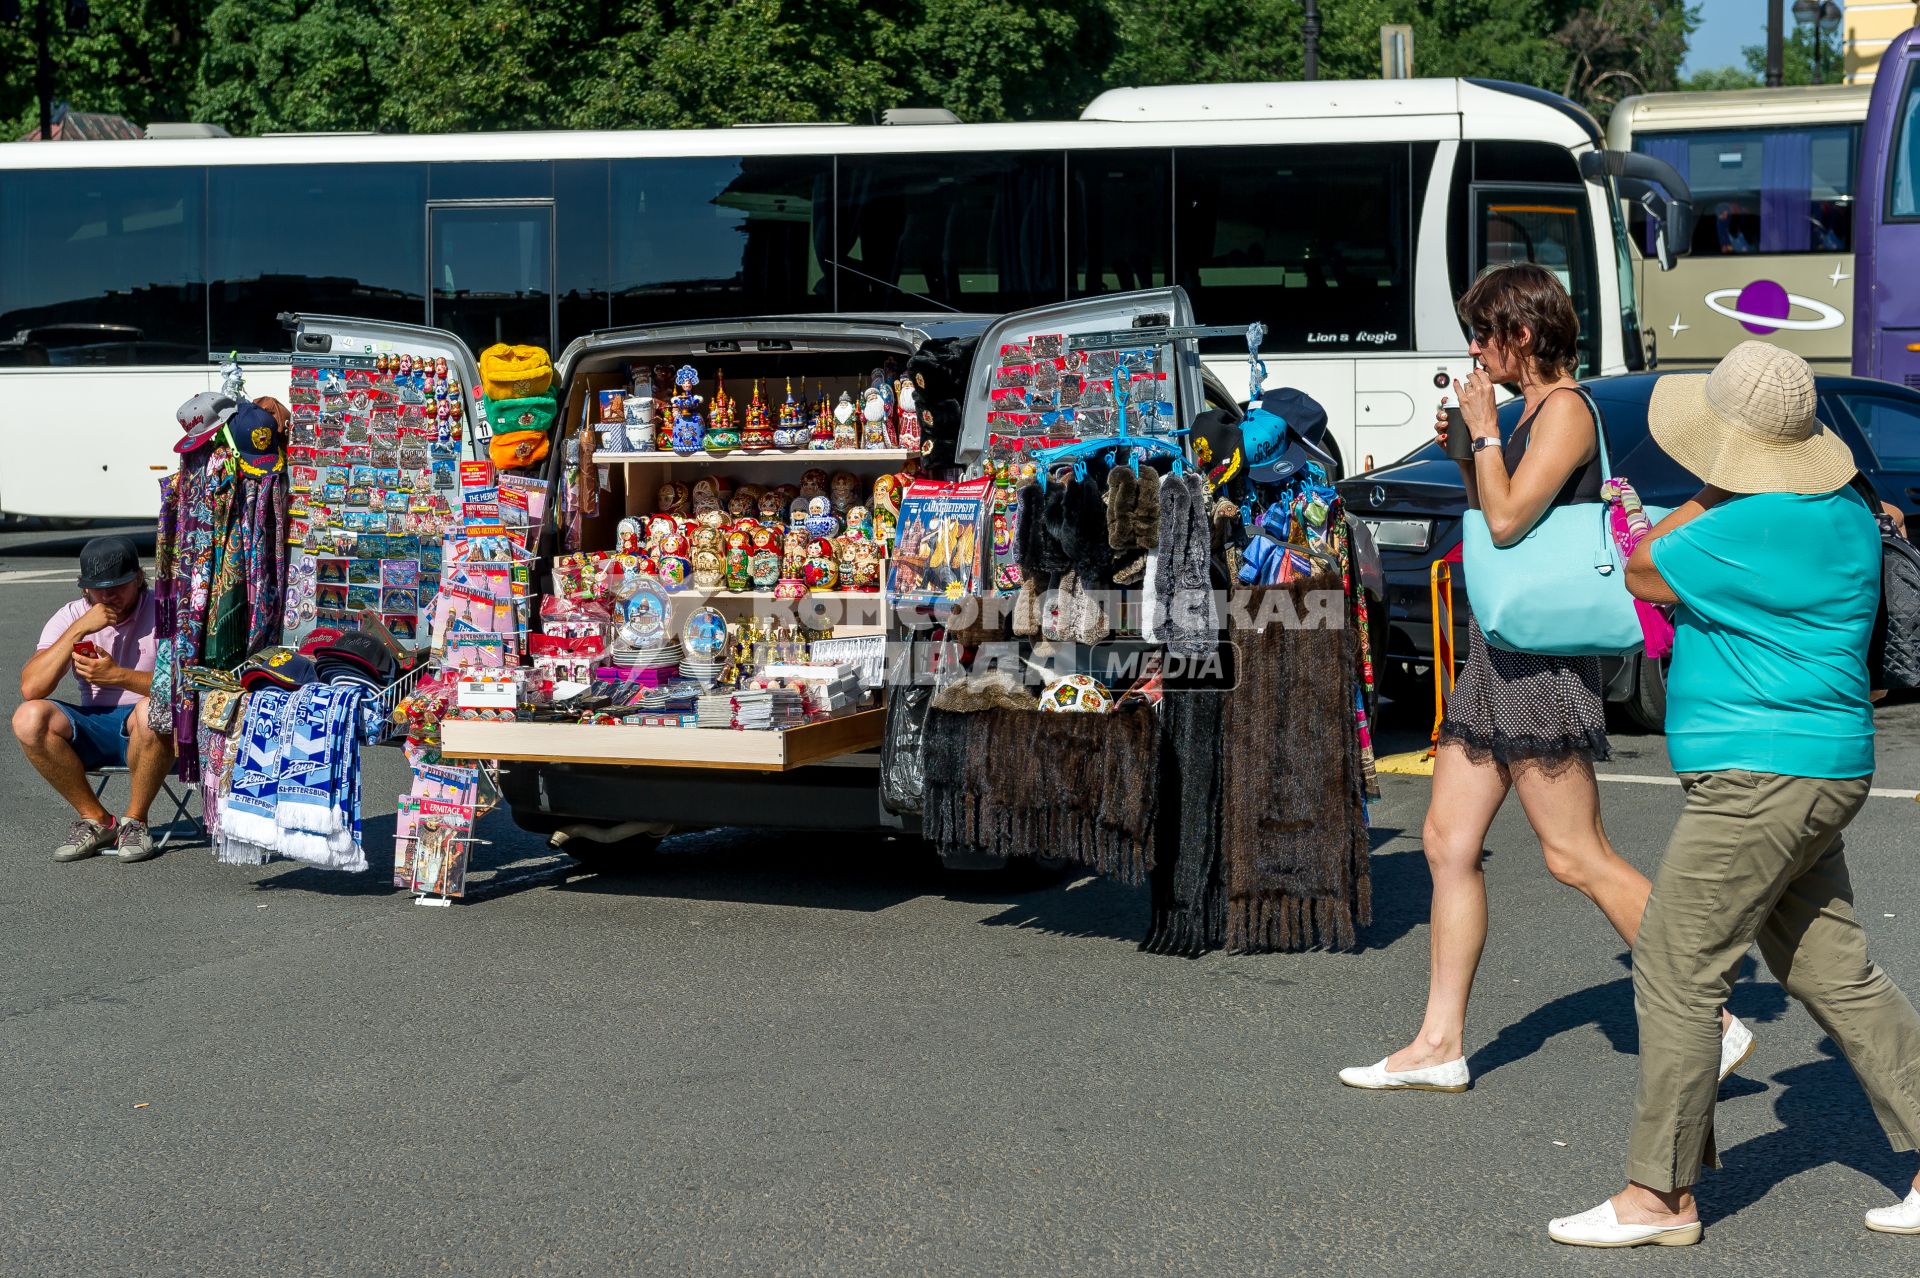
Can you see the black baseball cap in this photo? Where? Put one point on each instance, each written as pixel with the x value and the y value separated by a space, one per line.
pixel 106 562
pixel 279 667
pixel 356 649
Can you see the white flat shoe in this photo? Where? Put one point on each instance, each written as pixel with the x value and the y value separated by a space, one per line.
pixel 1904 1219
pixel 1735 1046
pixel 1600 1227
pixel 1448 1077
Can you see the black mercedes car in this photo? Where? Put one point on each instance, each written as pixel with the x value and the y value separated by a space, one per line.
pixel 1414 507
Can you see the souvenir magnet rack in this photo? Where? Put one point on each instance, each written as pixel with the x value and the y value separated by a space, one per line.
pixel 454 851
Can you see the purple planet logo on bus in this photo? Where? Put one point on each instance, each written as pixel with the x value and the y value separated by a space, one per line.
pixel 1764 307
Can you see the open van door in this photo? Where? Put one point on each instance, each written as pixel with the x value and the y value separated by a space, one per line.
pixel 1149 308
pixel 383 507
pixel 341 340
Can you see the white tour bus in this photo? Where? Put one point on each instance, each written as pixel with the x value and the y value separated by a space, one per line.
pixel 1347 217
pixel 1771 173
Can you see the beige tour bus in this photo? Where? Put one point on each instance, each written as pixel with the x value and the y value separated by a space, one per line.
pixel 1771 171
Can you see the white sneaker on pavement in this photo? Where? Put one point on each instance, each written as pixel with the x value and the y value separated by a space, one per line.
pixel 1601 1227
pixel 1450 1076
pixel 1903 1219
pixel 1735 1046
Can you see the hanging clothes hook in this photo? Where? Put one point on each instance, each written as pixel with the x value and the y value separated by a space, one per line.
pixel 1256 368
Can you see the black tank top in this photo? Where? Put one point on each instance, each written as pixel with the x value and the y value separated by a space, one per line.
pixel 1582 485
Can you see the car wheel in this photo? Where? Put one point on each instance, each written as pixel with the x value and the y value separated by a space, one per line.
pixel 1647 705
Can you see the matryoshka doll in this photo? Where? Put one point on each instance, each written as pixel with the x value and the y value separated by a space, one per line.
pixel 673 499
pixel 763 568
pixel 745 502
pixel 764 538
pixel 843 490
pixel 859 522
pixel 659 529
pixel 866 566
pixel 773 506
pixel 706 496
pixel 709 569
pixel 675 570
pixel 823 569
pixel 813 483
pixel 846 423
pixel 886 508
pixel 793 555
pixel 821 521
pixel 628 536
pixel 873 419
pixel 757 437
pixel 844 549
pixel 739 571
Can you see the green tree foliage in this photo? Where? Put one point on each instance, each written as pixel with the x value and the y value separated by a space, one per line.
pixel 259 66
pixel 137 58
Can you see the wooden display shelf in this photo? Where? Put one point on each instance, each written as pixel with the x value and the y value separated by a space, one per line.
pixel 633 746
pixel 720 461
pixel 719 597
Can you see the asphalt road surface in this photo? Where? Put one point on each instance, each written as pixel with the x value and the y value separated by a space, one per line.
pixel 811 1056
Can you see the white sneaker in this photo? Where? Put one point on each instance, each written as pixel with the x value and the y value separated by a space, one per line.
pixel 1904 1219
pixel 1602 1228
pixel 1448 1077
pixel 1735 1046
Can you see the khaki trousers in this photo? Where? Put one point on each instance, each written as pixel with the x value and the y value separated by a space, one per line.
pixel 1757 856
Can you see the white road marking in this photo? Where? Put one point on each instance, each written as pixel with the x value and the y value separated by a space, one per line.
pixel 22 576
pixel 1627 778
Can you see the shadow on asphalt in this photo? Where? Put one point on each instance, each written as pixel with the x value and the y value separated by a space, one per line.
pixel 1825 1118
pixel 1609 1008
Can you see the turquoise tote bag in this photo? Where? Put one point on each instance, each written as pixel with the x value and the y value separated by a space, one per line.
pixel 1561 590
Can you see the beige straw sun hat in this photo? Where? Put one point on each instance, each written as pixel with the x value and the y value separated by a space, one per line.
pixel 1749 425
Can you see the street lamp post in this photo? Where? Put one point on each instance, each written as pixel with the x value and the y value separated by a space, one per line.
pixel 1823 17
pixel 1310 40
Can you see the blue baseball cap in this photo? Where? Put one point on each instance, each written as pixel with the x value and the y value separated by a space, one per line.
pixel 1277 434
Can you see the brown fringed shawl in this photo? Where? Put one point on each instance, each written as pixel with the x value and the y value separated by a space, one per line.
pixel 1294 838
pixel 1024 783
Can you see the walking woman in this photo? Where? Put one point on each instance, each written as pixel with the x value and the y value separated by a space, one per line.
pixel 1516 721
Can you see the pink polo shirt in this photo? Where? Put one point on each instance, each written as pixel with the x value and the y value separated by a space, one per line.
pixel 131 645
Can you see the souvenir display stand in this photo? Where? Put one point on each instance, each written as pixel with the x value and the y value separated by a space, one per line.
pixel 685 592
pixel 720 556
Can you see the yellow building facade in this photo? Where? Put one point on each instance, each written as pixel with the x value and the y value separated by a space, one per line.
pixel 1869 26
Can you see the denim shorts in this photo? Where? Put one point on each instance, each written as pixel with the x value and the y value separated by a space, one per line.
pixel 99 734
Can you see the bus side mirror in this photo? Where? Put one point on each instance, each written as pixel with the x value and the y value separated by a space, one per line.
pixel 1657 187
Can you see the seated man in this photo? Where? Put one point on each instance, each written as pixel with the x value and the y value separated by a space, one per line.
pixel 106 638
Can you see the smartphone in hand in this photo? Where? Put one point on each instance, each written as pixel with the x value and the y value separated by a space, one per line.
pixel 87 648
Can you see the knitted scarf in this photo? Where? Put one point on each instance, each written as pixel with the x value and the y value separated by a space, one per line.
pixel 1014 782
pixel 1186 618
pixel 249 833
pixel 1188 898
pixel 1293 817
pixel 317 799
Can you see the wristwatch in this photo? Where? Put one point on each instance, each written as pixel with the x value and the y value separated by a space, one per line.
pixel 1482 442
